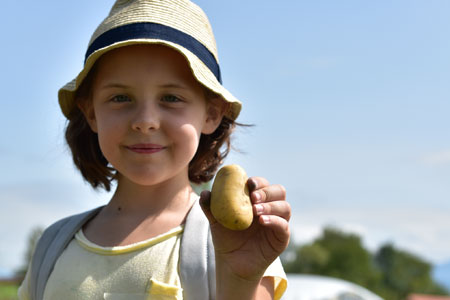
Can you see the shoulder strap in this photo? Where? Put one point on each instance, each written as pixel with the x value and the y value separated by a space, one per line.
pixel 50 246
pixel 197 262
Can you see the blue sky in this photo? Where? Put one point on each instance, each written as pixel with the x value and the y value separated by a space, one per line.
pixel 350 101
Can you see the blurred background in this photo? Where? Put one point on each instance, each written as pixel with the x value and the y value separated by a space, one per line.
pixel 350 102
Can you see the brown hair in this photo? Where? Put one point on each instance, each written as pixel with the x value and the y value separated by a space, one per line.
pixel 95 169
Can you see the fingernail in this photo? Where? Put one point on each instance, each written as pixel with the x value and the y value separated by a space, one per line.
pixel 259 209
pixel 265 219
pixel 251 185
pixel 257 197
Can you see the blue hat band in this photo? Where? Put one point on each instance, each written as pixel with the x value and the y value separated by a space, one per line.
pixel 160 32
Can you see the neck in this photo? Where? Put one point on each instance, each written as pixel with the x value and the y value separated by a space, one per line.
pixel 137 212
pixel 174 195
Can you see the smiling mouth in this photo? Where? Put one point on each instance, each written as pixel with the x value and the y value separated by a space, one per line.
pixel 146 148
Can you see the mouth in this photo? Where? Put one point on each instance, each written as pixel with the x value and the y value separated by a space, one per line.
pixel 146 148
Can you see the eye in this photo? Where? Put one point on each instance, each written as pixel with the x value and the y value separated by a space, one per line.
pixel 170 99
pixel 120 98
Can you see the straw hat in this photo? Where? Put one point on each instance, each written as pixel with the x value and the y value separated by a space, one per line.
pixel 179 24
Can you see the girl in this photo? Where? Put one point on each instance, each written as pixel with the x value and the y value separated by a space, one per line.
pixel 148 112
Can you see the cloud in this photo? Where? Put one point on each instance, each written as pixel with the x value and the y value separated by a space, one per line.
pixel 437 159
pixel 421 231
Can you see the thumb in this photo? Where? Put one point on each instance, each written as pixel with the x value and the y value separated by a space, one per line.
pixel 205 202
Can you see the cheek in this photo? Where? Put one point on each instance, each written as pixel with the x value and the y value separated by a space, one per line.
pixel 186 130
pixel 108 132
pixel 191 136
pixel 109 123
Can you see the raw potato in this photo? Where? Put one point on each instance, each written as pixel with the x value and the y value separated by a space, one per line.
pixel 230 200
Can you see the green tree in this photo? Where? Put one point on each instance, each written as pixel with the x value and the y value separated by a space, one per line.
pixel 348 259
pixel 390 272
pixel 309 259
pixel 335 254
pixel 404 273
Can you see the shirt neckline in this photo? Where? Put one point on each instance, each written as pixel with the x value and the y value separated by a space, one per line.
pixel 116 250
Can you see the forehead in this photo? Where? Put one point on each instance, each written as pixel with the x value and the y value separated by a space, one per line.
pixel 157 60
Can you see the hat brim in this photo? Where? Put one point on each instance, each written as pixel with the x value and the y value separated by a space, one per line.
pixel 66 95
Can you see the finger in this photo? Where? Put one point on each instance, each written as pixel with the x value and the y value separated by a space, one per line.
pixel 205 202
pixel 277 208
pixel 255 183
pixel 280 232
pixel 275 192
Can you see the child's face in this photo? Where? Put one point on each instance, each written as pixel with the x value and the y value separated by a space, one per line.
pixel 149 112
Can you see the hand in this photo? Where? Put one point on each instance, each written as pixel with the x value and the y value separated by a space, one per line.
pixel 246 254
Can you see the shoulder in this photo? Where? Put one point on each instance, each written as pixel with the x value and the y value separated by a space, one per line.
pixel 60 232
pixel 67 225
pixel 50 245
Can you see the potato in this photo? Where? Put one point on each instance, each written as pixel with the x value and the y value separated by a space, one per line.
pixel 230 200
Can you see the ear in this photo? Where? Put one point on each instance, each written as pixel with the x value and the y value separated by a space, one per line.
pixel 87 108
pixel 215 110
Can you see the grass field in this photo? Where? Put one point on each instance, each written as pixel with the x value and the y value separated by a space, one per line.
pixel 8 291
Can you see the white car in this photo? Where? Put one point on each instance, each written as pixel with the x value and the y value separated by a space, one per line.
pixel 314 287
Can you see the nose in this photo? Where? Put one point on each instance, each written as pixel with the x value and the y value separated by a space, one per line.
pixel 146 119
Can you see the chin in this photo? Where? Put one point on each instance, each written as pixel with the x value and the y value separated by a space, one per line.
pixel 147 178
pixel 146 181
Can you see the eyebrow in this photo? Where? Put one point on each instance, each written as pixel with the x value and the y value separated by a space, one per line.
pixel 173 85
pixel 113 85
